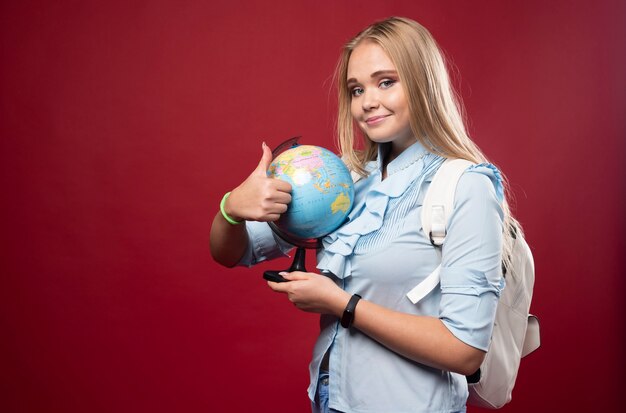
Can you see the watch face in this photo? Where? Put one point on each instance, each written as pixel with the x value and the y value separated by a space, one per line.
pixel 348 314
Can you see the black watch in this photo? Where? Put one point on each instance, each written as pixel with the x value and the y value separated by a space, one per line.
pixel 348 314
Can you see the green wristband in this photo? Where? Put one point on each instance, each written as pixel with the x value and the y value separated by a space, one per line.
pixel 224 214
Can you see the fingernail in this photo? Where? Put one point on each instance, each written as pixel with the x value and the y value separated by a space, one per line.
pixel 283 273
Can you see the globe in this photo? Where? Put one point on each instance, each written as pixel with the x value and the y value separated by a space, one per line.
pixel 322 192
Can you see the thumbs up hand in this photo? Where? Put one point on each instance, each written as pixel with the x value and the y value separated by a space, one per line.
pixel 259 198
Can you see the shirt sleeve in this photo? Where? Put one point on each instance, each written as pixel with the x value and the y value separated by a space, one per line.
pixel 471 265
pixel 263 244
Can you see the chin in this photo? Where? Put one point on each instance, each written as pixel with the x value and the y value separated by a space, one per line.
pixel 379 139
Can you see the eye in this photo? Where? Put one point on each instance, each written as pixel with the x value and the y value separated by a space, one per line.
pixel 356 91
pixel 387 83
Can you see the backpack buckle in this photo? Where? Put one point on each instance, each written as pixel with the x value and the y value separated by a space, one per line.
pixel 438 241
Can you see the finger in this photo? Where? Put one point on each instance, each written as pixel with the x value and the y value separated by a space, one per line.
pixel 275 208
pixel 273 211
pixel 265 161
pixel 277 287
pixel 272 217
pixel 282 186
pixel 281 198
pixel 294 276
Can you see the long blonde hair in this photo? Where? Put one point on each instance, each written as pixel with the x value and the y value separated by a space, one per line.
pixel 436 115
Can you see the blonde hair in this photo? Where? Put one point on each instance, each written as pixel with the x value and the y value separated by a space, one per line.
pixel 436 115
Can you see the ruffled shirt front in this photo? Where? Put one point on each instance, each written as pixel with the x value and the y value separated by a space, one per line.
pixel 371 202
pixel 381 253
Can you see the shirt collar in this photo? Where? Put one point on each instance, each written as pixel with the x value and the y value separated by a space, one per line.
pixel 408 157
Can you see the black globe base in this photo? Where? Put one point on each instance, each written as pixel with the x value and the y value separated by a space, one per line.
pixel 296 265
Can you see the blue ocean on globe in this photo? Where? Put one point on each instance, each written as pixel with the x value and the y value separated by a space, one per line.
pixel 322 191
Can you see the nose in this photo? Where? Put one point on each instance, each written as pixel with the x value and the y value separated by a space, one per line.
pixel 370 100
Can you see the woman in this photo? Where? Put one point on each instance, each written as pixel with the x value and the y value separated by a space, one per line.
pixel 381 352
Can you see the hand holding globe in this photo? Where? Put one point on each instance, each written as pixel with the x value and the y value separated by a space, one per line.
pixel 259 198
pixel 321 198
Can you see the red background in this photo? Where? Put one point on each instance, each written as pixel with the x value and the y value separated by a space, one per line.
pixel 122 124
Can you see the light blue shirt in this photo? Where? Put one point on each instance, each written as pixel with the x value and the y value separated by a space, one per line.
pixel 381 253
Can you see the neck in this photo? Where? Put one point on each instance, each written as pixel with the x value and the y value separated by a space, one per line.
pixel 387 159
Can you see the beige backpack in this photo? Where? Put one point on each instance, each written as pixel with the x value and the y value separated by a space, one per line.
pixel 515 332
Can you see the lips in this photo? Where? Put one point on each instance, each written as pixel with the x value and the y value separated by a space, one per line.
pixel 374 120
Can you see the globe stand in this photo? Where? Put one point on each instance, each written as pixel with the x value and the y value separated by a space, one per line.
pixel 298 259
pixel 296 265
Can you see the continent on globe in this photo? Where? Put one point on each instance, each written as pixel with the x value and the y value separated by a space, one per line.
pixel 322 191
pixel 341 203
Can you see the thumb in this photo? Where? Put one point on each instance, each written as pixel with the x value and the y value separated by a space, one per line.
pixel 265 161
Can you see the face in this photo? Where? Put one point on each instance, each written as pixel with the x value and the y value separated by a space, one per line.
pixel 379 105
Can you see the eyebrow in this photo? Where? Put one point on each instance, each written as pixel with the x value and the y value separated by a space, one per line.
pixel 376 74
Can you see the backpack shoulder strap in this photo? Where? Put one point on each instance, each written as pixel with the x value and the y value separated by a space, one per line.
pixel 439 199
pixel 436 210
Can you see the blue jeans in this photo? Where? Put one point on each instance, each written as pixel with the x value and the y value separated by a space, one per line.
pixel 320 404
